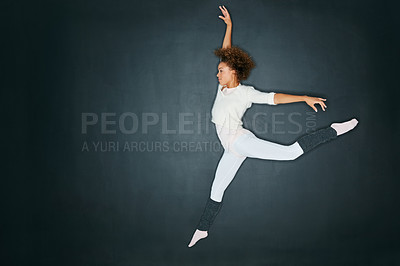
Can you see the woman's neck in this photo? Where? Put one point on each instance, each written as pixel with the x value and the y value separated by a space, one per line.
pixel 233 84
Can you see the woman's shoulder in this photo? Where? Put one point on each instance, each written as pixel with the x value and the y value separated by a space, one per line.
pixel 246 88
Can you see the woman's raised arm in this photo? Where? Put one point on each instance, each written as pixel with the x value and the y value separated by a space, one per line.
pixel 228 34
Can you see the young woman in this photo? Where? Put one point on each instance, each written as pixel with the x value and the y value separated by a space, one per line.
pixel 231 102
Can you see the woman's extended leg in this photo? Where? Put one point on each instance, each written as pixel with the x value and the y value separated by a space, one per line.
pixel 251 146
pixel 227 168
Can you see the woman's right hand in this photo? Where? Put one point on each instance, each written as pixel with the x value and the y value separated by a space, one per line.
pixel 226 18
pixel 315 100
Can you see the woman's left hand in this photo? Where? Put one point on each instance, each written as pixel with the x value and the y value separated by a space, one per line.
pixel 314 100
pixel 226 17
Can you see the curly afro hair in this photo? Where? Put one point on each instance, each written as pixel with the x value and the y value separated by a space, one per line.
pixel 236 59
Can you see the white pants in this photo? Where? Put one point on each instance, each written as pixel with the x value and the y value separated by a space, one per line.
pixel 248 145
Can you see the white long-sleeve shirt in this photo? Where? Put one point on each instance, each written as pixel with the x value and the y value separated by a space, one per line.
pixel 229 107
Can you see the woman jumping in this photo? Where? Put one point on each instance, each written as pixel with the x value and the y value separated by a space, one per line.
pixel 231 102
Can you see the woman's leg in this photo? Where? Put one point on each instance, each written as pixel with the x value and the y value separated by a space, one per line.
pixel 227 168
pixel 251 146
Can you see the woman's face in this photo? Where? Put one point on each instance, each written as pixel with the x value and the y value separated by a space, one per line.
pixel 226 76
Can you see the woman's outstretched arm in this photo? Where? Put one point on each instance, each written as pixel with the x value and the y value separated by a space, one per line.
pixel 281 98
pixel 228 34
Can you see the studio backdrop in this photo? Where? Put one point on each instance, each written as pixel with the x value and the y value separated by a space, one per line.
pixel 111 151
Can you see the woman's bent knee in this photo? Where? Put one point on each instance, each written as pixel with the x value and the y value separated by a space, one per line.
pixel 294 151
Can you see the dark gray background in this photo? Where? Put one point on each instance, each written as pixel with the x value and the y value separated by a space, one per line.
pixel 337 205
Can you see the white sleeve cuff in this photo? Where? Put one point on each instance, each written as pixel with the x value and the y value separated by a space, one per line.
pixel 271 97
